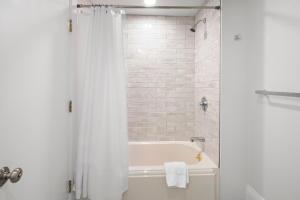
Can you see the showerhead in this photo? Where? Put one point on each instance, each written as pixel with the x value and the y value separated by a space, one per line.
pixel 193 29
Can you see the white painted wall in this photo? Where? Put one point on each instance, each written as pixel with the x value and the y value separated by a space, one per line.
pixel 34 122
pixel 273 123
pixel 233 102
pixel 260 136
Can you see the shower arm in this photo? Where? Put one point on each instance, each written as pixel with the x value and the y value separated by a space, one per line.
pixel 193 29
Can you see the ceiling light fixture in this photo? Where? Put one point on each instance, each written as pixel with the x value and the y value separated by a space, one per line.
pixel 149 3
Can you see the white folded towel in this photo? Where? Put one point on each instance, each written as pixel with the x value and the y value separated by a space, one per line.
pixel 177 174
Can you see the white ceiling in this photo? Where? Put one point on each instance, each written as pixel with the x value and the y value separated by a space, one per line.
pixel 168 12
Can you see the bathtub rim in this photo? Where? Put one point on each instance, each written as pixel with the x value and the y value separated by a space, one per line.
pixel 186 143
pixel 206 165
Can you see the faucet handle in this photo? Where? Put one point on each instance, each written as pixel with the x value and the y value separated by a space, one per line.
pixel 204 104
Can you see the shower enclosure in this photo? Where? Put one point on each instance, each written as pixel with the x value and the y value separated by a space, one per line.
pixel 173 61
pixel 173 76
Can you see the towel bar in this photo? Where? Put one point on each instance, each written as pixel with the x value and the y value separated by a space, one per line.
pixel 273 93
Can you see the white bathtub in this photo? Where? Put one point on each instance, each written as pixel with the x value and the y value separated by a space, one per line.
pixel 147 176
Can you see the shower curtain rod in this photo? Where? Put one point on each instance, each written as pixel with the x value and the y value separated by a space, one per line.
pixel 145 7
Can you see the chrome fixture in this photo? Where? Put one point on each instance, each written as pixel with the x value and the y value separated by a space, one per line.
pixel 148 7
pixel 14 176
pixel 193 29
pixel 204 104
pixel 273 93
pixel 199 139
pixel 237 37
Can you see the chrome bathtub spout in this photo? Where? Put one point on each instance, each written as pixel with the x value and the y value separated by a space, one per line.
pixel 198 139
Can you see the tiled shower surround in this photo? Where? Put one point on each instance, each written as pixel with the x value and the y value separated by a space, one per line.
pixel 207 76
pixel 170 68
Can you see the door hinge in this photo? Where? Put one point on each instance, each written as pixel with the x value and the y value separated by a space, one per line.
pixel 70 25
pixel 70 186
pixel 70 106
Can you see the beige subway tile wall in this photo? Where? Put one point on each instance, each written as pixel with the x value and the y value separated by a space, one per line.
pixel 160 55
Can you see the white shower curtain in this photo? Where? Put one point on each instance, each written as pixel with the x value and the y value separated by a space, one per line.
pixel 102 161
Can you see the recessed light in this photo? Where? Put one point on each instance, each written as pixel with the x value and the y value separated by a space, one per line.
pixel 149 3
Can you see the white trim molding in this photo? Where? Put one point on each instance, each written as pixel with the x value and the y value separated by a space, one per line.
pixel 252 194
